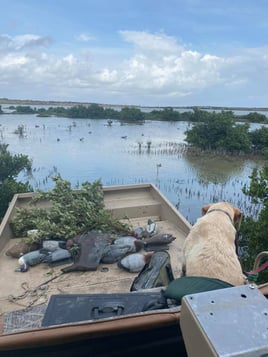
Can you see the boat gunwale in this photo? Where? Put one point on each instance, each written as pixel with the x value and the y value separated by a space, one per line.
pixel 59 334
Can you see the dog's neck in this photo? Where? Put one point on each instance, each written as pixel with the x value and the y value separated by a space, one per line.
pixel 237 231
pixel 221 210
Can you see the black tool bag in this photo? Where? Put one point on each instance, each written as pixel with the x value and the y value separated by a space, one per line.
pixel 156 273
pixel 83 307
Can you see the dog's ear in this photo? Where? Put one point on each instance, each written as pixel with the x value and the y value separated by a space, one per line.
pixel 237 216
pixel 205 209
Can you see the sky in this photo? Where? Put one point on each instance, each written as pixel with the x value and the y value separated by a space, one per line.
pixel 136 52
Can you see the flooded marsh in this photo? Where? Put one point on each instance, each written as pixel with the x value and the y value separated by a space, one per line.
pixel 87 149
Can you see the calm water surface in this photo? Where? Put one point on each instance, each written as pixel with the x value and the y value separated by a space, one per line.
pixel 86 150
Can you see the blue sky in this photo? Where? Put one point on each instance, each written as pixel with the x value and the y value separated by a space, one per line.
pixel 139 52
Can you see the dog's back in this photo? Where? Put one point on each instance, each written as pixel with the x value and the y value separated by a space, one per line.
pixel 209 249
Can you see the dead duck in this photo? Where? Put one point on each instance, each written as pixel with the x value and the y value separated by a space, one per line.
pixel 112 253
pixel 135 262
pixel 32 258
pixel 133 243
pixel 151 227
pixel 161 238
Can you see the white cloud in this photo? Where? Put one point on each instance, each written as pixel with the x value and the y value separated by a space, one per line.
pixel 160 64
pixel 107 76
pixel 158 67
pixel 11 61
pixel 154 43
pixel 22 42
pixel 85 37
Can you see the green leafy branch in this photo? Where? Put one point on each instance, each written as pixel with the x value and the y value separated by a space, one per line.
pixel 70 212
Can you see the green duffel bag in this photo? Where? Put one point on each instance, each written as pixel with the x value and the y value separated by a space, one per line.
pixel 191 285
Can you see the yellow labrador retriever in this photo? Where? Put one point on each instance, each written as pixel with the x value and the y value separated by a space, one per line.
pixel 209 248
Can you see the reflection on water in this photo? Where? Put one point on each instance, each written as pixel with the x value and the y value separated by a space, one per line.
pixel 85 149
pixel 215 169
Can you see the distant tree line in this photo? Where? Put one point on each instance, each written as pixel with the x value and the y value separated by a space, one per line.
pixel 133 114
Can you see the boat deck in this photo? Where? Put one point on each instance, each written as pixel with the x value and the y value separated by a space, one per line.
pixel 20 290
pixel 133 204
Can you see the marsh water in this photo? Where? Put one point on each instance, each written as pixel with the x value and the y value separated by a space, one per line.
pixel 87 150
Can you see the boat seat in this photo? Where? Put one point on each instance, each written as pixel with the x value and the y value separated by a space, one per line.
pixel 134 208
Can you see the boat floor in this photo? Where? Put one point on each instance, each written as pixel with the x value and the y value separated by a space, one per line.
pixel 21 290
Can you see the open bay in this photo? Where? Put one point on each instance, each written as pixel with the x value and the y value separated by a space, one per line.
pixel 87 149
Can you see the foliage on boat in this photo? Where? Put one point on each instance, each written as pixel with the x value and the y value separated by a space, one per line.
pixel 71 212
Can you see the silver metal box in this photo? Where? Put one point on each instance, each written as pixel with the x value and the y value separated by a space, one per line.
pixel 227 322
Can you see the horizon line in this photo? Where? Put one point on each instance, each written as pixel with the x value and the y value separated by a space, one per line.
pixel 70 103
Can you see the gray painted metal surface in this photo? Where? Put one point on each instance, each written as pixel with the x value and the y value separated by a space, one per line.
pixel 234 321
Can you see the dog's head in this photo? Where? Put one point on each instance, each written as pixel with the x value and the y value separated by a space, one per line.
pixel 233 212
